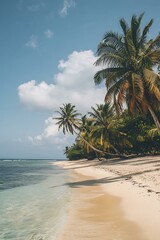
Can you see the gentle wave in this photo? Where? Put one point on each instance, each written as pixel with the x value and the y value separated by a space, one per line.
pixel 36 210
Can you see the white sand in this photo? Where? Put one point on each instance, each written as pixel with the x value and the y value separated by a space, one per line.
pixel 136 182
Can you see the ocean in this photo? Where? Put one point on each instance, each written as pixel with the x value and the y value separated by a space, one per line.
pixel 34 199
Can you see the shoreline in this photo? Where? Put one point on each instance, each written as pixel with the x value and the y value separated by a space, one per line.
pixel 136 182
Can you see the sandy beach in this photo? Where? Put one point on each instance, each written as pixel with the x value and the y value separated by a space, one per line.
pixel 113 199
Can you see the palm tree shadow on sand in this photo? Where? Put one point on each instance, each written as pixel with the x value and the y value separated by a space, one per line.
pixel 105 180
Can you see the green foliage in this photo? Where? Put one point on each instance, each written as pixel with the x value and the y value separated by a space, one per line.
pixel 129 61
pixel 77 151
pixel 74 152
pixel 122 134
pixel 138 131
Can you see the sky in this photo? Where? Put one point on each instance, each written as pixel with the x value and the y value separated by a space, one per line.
pixel 47 55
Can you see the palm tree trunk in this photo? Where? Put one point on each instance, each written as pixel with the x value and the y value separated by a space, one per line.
pixel 117 154
pixel 92 147
pixel 156 121
pixel 115 149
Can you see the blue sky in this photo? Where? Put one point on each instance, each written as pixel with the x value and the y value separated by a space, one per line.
pixel 48 48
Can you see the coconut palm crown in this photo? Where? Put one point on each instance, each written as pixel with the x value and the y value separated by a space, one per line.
pixel 68 119
pixel 104 130
pixel 129 59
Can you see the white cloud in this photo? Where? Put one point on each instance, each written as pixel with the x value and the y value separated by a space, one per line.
pixel 51 134
pixel 32 43
pixel 67 4
pixel 72 84
pixel 48 33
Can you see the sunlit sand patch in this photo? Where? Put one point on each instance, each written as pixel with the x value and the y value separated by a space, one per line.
pixel 94 214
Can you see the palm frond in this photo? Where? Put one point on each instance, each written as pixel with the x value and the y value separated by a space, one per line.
pixel 68 119
pixel 124 25
pixel 152 44
pixel 135 30
pixel 105 73
pixel 144 33
pixel 153 82
pixel 153 132
pixel 129 60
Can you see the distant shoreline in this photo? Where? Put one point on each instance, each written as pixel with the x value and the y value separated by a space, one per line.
pixel 135 181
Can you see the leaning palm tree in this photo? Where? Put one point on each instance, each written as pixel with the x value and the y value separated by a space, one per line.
pixel 129 59
pixel 104 131
pixel 86 129
pixel 69 121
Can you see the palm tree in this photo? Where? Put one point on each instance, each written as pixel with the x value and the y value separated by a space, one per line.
pixel 69 118
pixel 70 122
pixel 104 131
pixel 129 60
pixel 85 129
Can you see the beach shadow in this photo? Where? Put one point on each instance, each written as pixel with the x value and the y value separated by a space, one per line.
pixel 134 162
pixel 96 182
pixel 146 162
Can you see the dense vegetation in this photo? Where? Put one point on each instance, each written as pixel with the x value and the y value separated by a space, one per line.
pixel 127 123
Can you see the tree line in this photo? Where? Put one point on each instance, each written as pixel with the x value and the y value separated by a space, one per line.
pixel 128 121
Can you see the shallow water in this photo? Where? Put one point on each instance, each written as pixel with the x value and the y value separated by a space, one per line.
pixel 33 199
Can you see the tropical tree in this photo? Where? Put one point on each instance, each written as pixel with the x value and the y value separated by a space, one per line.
pixel 75 152
pixel 104 131
pixel 69 121
pixel 129 60
pixel 140 133
pixel 85 129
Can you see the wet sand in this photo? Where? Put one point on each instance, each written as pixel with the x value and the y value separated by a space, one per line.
pixel 95 214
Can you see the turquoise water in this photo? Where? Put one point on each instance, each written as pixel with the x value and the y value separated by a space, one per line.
pixel 33 199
